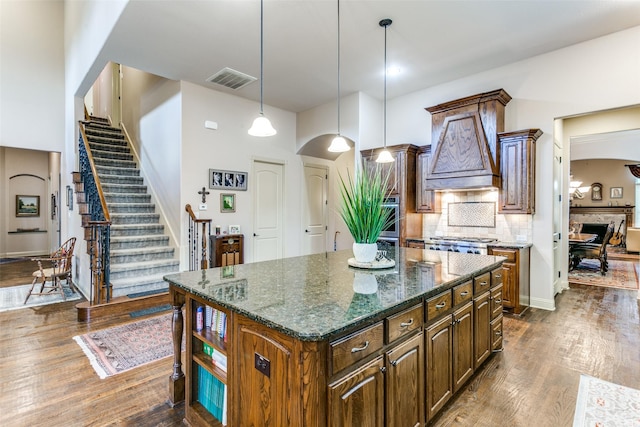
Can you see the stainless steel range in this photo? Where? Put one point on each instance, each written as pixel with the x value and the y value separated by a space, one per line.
pixel 470 245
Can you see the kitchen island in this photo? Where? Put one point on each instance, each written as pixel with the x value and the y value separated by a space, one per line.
pixel 310 341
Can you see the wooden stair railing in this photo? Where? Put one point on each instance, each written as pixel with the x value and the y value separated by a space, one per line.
pixel 197 244
pixel 95 220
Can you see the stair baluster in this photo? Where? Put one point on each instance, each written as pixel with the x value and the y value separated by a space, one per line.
pixel 197 244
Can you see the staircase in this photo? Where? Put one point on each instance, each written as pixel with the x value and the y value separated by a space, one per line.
pixel 140 253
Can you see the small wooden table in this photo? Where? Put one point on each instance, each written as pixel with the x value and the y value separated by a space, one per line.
pixel 581 238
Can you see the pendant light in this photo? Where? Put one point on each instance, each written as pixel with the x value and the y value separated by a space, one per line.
pixel 261 125
pixel 385 156
pixel 339 144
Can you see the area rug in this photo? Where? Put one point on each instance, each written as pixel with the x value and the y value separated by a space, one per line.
pixel 601 403
pixel 621 274
pixel 121 348
pixel 12 298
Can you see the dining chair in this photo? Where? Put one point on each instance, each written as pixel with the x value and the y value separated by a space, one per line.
pixel 580 251
pixel 53 269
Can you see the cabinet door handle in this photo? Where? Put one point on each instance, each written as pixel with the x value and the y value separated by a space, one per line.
pixel 405 324
pixel 383 369
pixel 441 305
pixel 498 301
pixel 464 294
pixel 394 363
pixel 498 333
pixel 498 276
pixel 357 349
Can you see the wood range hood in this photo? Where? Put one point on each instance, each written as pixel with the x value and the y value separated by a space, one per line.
pixel 467 152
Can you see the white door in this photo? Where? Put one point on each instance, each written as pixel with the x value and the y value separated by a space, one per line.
pixel 314 210
pixel 268 211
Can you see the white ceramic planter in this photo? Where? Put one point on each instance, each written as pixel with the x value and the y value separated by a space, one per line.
pixel 365 252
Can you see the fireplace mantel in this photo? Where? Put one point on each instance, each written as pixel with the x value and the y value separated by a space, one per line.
pixel 627 211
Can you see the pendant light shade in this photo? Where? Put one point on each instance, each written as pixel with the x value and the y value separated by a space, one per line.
pixel 339 144
pixel 385 156
pixel 261 125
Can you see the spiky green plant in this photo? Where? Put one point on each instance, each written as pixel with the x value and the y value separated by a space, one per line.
pixel 362 201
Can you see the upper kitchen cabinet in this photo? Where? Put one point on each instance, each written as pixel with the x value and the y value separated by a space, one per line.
pixel 402 184
pixel 427 201
pixel 465 151
pixel 517 166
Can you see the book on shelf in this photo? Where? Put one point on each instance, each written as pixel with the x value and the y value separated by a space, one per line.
pixel 219 359
pixel 212 394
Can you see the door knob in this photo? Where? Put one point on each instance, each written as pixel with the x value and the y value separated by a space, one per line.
pixel 255 235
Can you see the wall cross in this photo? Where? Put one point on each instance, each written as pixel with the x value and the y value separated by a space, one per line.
pixel 204 194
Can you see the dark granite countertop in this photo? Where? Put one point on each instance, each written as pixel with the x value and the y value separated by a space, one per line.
pixel 314 298
pixel 497 244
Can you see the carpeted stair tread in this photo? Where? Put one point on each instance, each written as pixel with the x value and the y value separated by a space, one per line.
pixel 127 197
pixel 113 146
pixel 108 141
pixel 115 163
pixel 140 241
pixel 111 155
pixel 121 179
pixel 117 171
pixel 136 229
pixel 135 255
pixel 115 208
pixel 124 188
pixel 135 218
pixel 128 285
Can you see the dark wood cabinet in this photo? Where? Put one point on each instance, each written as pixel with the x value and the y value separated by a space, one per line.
pixel 405 386
pixel 515 277
pixel 358 398
pixel 463 364
pixel 402 182
pixel 481 329
pixel 439 365
pixel 226 249
pixel 427 201
pixel 517 168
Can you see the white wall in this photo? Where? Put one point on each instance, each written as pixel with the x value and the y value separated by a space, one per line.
pixel 591 76
pixel 230 147
pixel 32 70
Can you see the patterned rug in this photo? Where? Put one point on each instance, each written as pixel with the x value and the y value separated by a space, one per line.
pixel 601 403
pixel 121 348
pixel 12 298
pixel 621 274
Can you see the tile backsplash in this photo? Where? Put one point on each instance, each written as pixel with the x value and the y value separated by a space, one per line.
pixel 507 228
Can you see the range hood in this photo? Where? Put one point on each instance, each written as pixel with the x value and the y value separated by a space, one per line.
pixel 467 152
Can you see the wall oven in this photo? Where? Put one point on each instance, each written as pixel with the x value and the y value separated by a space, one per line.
pixel 392 231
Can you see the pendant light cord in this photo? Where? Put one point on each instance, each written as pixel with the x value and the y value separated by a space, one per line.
pixel 338 67
pixel 385 85
pixel 261 52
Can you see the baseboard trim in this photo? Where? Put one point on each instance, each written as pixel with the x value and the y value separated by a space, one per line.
pixel 544 304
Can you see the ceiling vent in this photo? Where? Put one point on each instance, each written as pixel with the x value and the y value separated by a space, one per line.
pixel 231 78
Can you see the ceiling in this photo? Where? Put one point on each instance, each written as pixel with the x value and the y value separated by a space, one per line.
pixel 432 41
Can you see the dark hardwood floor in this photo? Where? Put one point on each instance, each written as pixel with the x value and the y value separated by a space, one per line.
pixel 45 379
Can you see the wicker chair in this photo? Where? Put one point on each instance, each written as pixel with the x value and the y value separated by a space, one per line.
pixel 580 251
pixel 53 269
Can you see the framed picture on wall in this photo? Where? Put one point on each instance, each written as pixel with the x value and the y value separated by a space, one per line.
pixel 227 202
pixel 596 191
pixel 27 205
pixel 616 193
pixel 227 180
